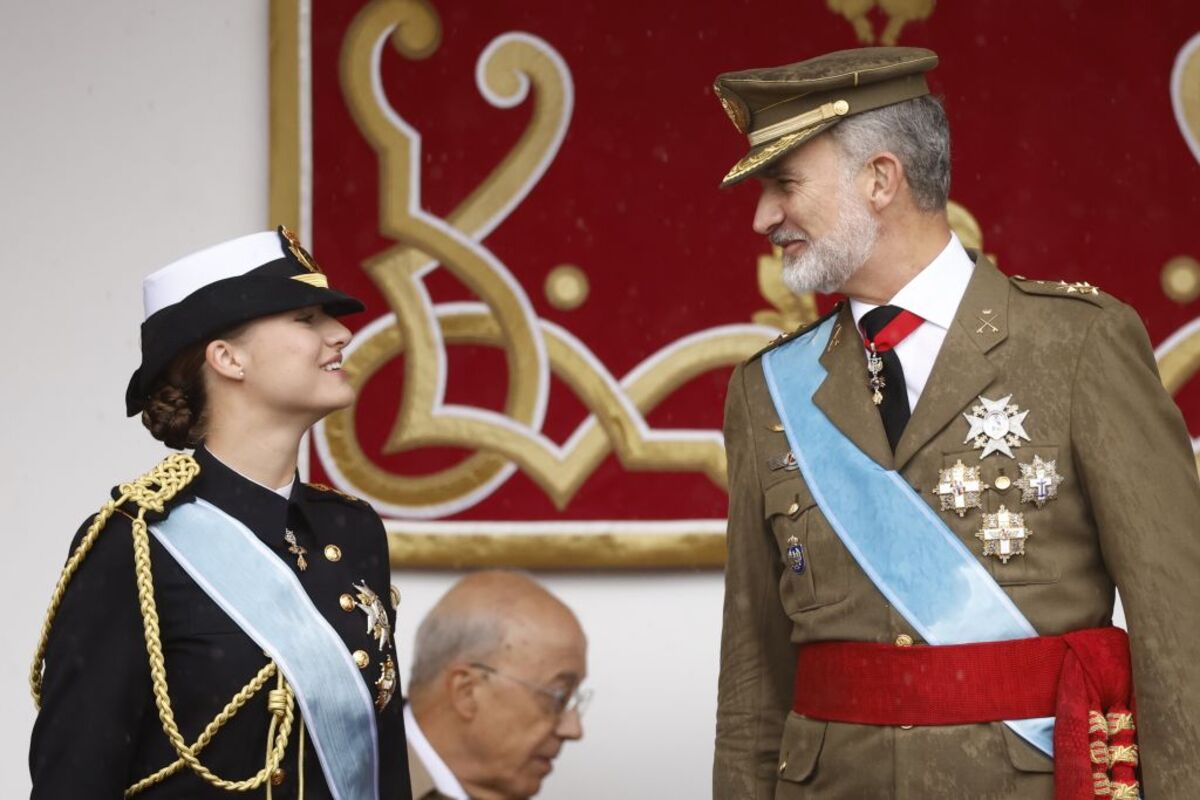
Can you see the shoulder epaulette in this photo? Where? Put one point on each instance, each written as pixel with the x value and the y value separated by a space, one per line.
pixel 320 491
pixel 155 491
pixel 1080 290
pixel 803 329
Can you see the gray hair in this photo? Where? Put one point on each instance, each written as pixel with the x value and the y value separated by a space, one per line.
pixel 917 132
pixel 446 635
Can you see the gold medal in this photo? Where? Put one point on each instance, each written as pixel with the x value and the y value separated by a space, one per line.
pixel 295 549
pixel 386 685
pixel 876 382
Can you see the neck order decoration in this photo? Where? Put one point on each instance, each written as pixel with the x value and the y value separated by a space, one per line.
pixel 890 326
pixel 151 492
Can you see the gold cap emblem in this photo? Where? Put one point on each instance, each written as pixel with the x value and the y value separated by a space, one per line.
pixel 297 250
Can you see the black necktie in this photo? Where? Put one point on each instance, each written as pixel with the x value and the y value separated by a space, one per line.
pixel 894 408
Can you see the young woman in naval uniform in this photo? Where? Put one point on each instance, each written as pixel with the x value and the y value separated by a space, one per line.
pixel 221 627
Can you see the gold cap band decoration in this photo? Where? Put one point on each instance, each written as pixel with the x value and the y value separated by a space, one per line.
pixel 317 279
pixel 838 108
pixel 780 108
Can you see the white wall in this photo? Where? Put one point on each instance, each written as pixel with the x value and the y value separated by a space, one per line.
pixel 135 131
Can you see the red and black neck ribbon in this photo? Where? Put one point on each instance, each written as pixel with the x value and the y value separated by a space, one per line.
pixel 882 329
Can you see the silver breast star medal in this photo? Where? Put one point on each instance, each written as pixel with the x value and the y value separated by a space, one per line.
pixel 876 381
pixel 996 426
pixel 295 549
pixel 377 618
pixel 959 488
pixel 1038 482
pixel 1003 534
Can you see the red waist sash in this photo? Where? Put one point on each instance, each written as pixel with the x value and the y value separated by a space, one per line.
pixel 1082 679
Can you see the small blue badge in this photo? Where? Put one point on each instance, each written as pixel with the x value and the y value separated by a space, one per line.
pixel 795 555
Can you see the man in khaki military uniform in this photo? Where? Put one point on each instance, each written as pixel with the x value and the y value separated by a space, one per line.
pixel 1023 422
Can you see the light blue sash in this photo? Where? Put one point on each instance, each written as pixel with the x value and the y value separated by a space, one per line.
pixel 264 597
pixel 911 556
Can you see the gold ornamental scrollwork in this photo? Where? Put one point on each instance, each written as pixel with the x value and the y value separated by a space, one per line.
pixel 513 69
pixel 898 12
pixel 508 67
pixel 1179 354
pixel 517 69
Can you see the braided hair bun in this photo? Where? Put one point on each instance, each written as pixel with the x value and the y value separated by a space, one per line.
pixel 175 410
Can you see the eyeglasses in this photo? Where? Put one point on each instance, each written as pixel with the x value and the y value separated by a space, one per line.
pixel 563 700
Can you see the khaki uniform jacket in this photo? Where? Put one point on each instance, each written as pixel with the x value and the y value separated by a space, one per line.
pixel 1127 513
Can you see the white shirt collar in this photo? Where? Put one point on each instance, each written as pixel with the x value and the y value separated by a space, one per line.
pixel 935 292
pixel 443 778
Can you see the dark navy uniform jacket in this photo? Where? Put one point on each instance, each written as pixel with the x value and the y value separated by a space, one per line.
pixel 98 731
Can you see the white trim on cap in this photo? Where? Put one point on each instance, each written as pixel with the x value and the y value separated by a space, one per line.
pixel 229 259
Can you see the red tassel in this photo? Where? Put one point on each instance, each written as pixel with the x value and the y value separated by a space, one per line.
pixel 1095 757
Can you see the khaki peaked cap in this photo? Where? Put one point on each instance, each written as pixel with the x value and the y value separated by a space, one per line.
pixel 780 108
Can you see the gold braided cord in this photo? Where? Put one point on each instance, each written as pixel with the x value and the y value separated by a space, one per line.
pixel 158 676
pixel 151 491
pixel 1120 721
pixel 240 699
pixel 1123 754
pixel 1125 791
pixel 279 702
pixel 300 759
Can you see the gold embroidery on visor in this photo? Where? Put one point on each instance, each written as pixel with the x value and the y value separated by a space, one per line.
pixel 317 279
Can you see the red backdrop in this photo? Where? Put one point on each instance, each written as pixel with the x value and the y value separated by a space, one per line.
pixel 1066 149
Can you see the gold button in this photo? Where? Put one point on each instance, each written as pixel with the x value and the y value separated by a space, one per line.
pixel 333 552
pixel 793 509
pixel 395 596
pixel 904 640
pixel 906 727
pixel 777 428
pixel 278 777
pixel 1003 482
pixel 782 767
pixel 346 602
pixel 361 658
pixel 841 108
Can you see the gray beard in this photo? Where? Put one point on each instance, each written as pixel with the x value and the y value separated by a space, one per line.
pixel 827 263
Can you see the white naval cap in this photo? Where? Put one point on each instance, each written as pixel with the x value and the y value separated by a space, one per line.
pixel 179 279
pixel 218 288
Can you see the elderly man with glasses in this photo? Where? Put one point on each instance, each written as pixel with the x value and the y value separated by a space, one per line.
pixel 495 690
